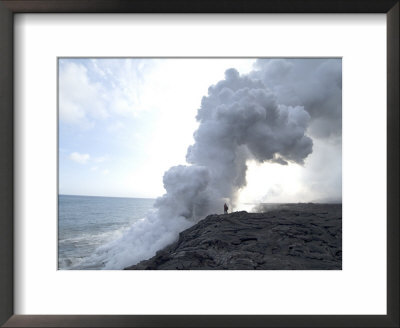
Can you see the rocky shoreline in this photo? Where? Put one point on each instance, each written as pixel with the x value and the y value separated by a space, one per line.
pixel 282 237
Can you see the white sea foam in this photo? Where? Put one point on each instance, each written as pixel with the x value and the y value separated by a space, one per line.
pixel 141 241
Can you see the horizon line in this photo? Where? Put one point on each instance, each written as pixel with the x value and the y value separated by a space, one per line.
pixel 62 194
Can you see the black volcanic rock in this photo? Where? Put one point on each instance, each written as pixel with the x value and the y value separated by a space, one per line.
pixel 286 237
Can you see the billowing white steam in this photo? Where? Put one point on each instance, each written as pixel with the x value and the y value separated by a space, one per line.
pixel 242 118
pixel 314 83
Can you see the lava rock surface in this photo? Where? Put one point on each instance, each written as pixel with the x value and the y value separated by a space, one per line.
pixel 284 237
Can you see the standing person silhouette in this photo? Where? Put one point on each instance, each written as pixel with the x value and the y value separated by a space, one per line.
pixel 225 209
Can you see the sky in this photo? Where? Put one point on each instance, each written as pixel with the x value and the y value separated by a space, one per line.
pixel 124 122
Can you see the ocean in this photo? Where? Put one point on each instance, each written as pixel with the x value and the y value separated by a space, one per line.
pixel 86 223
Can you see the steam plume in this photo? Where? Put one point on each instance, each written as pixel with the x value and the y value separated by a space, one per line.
pixel 240 119
pixel 315 84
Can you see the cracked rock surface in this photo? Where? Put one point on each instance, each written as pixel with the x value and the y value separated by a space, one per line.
pixel 285 237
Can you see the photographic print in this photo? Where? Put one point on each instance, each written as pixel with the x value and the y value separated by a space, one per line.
pixel 200 164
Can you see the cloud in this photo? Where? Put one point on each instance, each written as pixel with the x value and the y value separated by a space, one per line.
pixel 116 126
pixel 99 159
pixel 96 89
pixel 79 158
pixel 81 101
pixel 86 158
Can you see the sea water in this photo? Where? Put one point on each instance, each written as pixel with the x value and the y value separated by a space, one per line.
pixel 86 223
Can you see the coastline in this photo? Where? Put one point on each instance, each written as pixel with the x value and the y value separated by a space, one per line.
pixel 303 236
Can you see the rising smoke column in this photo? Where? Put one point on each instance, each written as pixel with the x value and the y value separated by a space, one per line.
pixel 239 120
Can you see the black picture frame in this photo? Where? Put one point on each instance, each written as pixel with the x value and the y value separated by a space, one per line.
pixel 10 7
